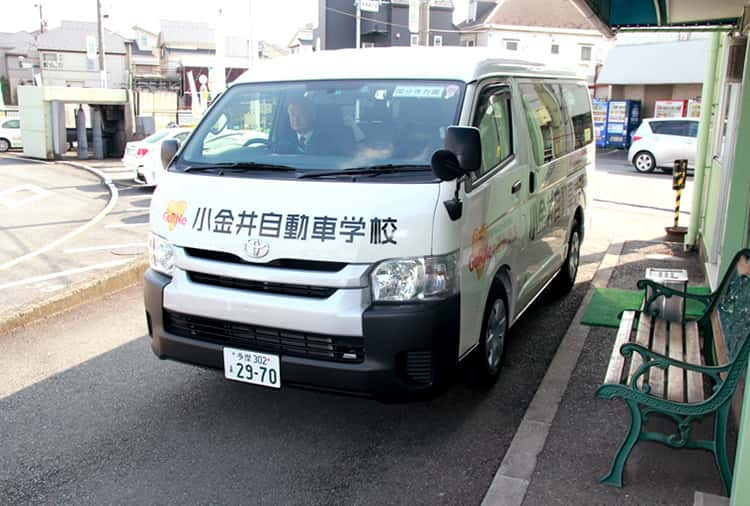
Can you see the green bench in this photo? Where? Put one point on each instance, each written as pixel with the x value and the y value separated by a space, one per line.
pixel 657 367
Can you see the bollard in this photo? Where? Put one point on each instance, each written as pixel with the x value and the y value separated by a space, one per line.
pixel 679 175
pixel 96 133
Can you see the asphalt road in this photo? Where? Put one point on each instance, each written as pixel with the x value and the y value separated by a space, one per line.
pixel 89 416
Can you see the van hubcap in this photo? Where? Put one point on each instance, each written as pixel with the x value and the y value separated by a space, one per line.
pixel 573 255
pixel 495 338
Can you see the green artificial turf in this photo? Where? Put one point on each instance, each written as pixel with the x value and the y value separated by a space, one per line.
pixel 607 304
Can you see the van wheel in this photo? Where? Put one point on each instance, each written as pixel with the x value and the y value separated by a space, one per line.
pixel 566 278
pixel 489 353
pixel 4 145
pixel 643 161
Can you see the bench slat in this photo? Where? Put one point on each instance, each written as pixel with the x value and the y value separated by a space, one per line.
pixel 693 356
pixel 676 375
pixel 659 345
pixel 720 345
pixel 642 337
pixel 617 361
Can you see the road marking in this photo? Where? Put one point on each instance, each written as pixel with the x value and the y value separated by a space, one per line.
pixel 113 195
pixel 126 225
pixel 109 246
pixel 136 210
pixel 12 203
pixel 69 272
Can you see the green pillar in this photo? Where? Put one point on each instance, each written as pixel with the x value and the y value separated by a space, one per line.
pixel 740 494
pixel 704 127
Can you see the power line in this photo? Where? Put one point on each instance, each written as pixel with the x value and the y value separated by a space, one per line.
pixel 396 25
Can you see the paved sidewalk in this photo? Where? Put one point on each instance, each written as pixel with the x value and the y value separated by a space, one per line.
pixel 587 431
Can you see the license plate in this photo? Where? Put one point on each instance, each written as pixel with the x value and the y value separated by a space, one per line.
pixel 252 367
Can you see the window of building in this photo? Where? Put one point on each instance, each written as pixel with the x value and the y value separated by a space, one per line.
pixel 586 53
pixel 437 40
pixel 51 60
pixel 414 39
pixel 493 119
pixel 511 44
pixel 143 42
pixel 555 49
pixel 471 43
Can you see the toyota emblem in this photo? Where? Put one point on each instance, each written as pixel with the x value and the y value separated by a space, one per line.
pixel 257 248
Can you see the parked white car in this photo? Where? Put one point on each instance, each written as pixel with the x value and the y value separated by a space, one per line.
pixel 144 157
pixel 658 142
pixel 10 134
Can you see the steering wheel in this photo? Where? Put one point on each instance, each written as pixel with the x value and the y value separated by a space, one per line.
pixel 256 140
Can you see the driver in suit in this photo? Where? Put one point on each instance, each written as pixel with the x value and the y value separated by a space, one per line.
pixel 310 137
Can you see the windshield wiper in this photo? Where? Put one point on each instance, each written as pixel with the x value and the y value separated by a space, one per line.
pixel 368 170
pixel 238 167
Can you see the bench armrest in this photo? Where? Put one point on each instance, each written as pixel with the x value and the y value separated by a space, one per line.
pixel 652 359
pixel 659 290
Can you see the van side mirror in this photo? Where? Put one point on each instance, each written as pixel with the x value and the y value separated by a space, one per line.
pixel 168 150
pixel 462 153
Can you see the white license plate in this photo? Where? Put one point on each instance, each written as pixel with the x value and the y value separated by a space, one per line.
pixel 252 367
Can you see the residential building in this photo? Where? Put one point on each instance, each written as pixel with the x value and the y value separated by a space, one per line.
pixel 387 27
pixel 145 63
pixel 64 61
pixel 654 71
pixel 268 50
pixel 552 32
pixel 16 50
pixel 302 42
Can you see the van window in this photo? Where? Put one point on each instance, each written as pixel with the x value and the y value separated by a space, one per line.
pixel 578 105
pixel 13 123
pixel 493 118
pixel 327 125
pixel 551 133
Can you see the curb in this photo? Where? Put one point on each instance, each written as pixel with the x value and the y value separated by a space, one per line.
pixel 75 295
pixel 513 476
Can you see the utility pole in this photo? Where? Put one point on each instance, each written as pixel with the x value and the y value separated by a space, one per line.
pixel 41 18
pixel 424 23
pixel 358 42
pixel 100 30
pixel 251 53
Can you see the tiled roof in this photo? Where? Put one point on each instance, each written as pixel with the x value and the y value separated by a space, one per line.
pixel 542 13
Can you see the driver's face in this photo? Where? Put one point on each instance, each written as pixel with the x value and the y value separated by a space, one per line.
pixel 300 118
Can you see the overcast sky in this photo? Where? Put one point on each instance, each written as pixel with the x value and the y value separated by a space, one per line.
pixel 274 20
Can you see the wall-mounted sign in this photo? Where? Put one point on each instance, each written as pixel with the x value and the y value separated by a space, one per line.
pixel 90 47
pixel 414 16
pixel 369 5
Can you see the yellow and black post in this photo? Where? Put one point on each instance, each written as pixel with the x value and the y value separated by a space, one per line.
pixel 678 183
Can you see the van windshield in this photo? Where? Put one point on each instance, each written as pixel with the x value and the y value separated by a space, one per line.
pixel 318 126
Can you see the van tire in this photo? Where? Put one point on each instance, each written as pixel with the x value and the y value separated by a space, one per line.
pixel 566 278
pixel 4 145
pixel 488 357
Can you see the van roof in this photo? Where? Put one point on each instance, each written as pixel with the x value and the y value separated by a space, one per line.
pixel 465 64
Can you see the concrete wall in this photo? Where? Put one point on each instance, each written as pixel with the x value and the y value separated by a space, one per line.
pixel 35 122
pixel 75 71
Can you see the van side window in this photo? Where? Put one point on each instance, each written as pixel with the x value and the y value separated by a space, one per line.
pixel 551 133
pixel 578 105
pixel 493 119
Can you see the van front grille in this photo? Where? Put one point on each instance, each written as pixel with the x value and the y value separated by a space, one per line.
pixel 317 292
pixel 281 263
pixel 256 338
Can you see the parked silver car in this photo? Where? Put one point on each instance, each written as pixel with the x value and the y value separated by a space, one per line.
pixel 658 142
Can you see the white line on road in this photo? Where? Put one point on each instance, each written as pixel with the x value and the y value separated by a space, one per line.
pixel 113 193
pixel 68 272
pixel 12 203
pixel 135 210
pixel 108 246
pixel 126 225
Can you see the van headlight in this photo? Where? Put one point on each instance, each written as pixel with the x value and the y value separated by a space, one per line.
pixel 160 254
pixel 415 279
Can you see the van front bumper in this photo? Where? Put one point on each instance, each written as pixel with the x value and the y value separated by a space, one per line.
pixel 408 348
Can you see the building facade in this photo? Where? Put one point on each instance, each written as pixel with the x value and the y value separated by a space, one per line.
pixel 551 32
pixel 16 63
pixel 386 27
pixel 64 61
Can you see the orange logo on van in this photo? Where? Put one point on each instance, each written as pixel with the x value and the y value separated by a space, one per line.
pixel 481 250
pixel 175 214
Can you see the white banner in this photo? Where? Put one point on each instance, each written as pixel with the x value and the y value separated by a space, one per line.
pixel 414 16
pixel 369 5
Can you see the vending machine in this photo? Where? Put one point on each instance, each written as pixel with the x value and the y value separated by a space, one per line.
pixel 670 108
pixel 623 117
pixel 694 108
pixel 599 112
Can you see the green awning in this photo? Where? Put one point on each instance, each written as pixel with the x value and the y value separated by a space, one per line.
pixel 660 13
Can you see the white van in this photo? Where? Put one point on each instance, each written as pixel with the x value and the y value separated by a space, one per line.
pixel 363 220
